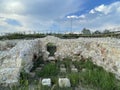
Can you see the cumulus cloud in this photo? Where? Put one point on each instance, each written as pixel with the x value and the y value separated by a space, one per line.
pixel 75 16
pixel 101 17
pixel 40 8
pixel 46 15
pixel 106 9
pixel 92 11
pixel 82 16
pixel 36 14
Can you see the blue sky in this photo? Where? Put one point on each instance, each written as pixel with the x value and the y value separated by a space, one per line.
pixel 56 15
pixel 13 22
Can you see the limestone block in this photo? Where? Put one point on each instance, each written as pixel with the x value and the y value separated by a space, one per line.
pixel 74 69
pixel 64 82
pixel 83 70
pixel 46 81
pixel 63 70
pixel 51 58
pixel 62 66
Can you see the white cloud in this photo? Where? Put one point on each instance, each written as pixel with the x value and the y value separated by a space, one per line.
pixel 76 17
pixel 106 9
pixel 101 8
pixel 35 15
pixel 73 16
pixel 43 15
pixel 92 11
pixel 82 16
pixel 100 18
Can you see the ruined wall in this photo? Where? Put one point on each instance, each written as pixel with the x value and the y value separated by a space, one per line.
pixel 17 59
pixel 104 52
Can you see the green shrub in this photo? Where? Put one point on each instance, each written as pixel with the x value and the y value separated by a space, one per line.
pixel 94 76
pixel 23 78
pixel 51 48
pixel 98 78
pixel 79 64
pixel 89 65
pixel 37 63
pixel 63 88
pixel 74 79
pixel 54 80
pixel 67 62
pixel 49 69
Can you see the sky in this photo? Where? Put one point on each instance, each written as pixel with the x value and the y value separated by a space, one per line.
pixel 59 16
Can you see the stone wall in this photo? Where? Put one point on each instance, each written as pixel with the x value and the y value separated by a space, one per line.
pixel 8 44
pixel 17 59
pixel 104 52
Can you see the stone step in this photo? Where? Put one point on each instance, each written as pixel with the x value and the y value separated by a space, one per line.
pixel 51 58
pixel 63 70
pixel 38 69
pixel 62 66
pixel 74 70
pixel 32 74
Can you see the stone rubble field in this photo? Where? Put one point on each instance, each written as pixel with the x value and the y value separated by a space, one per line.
pixel 18 55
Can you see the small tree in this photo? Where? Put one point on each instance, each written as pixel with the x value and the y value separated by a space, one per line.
pixel 106 31
pixel 86 31
pixel 97 32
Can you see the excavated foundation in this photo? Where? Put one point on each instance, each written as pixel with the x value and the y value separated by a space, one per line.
pixel 104 52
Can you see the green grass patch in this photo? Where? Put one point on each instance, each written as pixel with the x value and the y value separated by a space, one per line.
pixel 74 79
pixel 37 63
pixel 49 69
pixel 94 76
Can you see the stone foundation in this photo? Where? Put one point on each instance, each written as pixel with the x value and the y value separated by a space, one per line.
pixel 17 59
pixel 104 52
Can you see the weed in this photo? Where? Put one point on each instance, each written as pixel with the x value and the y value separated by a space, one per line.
pixel 49 69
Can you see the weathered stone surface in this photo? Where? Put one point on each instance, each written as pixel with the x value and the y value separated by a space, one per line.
pixel 72 66
pixel 62 66
pixel 64 82
pixel 63 70
pixel 51 58
pixel 32 74
pixel 17 59
pixel 38 69
pixel 46 82
pixel 8 44
pixel 83 70
pixel 104 52
pixel 74 69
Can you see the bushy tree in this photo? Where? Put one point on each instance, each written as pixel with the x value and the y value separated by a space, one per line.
pixel 106 31
pixel 86 31
pixel 97 32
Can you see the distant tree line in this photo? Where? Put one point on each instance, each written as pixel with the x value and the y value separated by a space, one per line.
pixel 85 33
pixel 21 36
pixel 88 32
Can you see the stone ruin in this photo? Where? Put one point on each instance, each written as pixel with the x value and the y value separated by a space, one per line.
pixel 20 54
pixel 18 58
